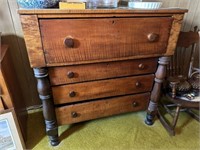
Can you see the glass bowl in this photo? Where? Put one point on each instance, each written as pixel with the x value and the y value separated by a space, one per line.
pixel 102 3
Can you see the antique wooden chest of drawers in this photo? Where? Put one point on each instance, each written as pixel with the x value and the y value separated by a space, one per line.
pixel 96 63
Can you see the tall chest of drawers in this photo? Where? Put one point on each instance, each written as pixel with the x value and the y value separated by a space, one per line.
pixel 96 63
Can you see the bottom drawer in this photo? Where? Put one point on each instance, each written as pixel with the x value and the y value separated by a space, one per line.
pixel 101 108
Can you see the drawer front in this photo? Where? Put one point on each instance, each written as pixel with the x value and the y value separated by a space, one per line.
pixel 101 108
pixel 80 73
pixel 78 40
pixel 100 89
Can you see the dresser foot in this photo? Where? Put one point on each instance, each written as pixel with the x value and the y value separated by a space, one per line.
pixel 54 141
pixel 151 113
pixel 149 119
pixel 52 132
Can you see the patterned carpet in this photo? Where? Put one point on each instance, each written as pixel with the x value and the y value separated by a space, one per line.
pixel 121 132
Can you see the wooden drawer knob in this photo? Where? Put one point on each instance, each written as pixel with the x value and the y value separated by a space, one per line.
pixel 141 66
pixel 135 104
pixel 70 74
pixel 152 37
pixel 137 84
pixel 72 94
pixel 69 42
pixel 74 114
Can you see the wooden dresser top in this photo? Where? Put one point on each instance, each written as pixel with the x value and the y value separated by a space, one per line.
pixel 115 12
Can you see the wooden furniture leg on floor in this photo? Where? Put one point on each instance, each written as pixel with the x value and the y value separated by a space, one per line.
pixel 170 126
pixel 45 94
pixel 155 94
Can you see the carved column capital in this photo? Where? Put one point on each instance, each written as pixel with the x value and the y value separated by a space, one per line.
pixel 40 72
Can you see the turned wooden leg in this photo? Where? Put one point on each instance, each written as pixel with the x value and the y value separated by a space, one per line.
pixel 155 94
pixel 44 90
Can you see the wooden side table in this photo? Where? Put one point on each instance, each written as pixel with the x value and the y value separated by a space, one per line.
pixel 10 92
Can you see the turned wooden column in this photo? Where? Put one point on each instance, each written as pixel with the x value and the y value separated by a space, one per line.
pixel 156 92
pixel 44 90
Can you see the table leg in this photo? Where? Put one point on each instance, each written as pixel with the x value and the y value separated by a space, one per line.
pixel 156 92
pixel 45 94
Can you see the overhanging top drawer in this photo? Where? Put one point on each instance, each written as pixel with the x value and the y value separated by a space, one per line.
pixel 79 40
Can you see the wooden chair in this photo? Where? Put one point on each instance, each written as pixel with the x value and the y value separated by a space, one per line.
pixel 181 90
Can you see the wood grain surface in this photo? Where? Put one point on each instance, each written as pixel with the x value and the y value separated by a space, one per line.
pixel 1 104
pixel 6 79
pixel 10 90
pixel 105 39
pixel 33 40
pixel 101 108
pixel 103 88
pixel 101 11
pixel 174 33
pixel 89 72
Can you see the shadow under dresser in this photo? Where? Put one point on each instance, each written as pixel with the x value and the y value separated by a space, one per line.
pixel 97 63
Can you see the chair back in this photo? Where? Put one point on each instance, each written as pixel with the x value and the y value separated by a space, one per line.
pixel 183 59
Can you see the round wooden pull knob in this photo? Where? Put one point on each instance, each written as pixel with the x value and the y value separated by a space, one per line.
pixel 137 84
pixel 135 104
pixel 72 94
pixel 70 74
pixel 74 114
pixel 141 66
pixel 69 42
pixel 152 37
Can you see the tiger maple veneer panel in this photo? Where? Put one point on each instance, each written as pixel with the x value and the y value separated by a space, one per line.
pixel 97 39
pixel 101 108
pixel 99 62
pixel 97 71
pixel 103 88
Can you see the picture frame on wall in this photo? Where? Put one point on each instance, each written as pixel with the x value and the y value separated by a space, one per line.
pixel 10 133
